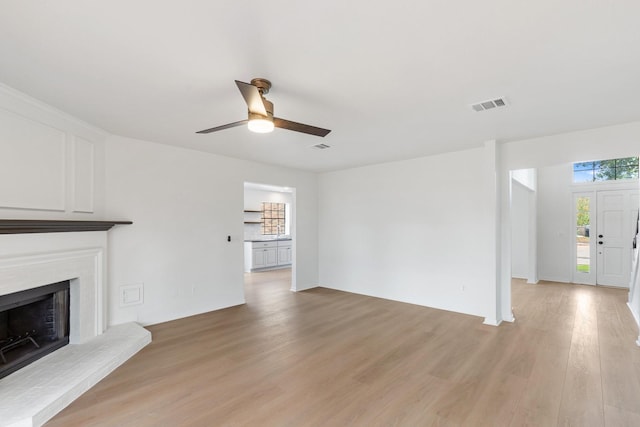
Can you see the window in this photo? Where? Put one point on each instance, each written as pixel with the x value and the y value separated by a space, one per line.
pixel 606 170
pixel 583 222
pixel 273 218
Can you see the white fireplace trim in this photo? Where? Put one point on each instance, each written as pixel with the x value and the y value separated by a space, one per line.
pixel 84 268
pixel 35 393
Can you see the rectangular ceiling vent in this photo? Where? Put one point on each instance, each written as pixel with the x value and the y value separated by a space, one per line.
pixel 320 146
pixel 489 104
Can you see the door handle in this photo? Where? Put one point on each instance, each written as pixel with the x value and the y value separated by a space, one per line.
pixel 600 242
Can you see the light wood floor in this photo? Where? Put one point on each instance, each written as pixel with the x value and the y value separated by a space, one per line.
pixel 328 358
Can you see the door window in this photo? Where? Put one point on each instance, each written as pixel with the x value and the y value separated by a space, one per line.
pixel 583 234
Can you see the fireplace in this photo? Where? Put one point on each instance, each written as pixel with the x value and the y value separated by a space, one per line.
pixel 33 323
pixel 34 254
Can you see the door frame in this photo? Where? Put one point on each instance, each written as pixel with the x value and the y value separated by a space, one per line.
pixel 292 226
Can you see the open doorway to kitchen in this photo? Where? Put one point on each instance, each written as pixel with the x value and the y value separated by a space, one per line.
pixel 269 239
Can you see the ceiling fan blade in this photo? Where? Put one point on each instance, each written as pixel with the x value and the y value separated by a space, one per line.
pixel 299 127
pixel 252 97
pixel 227 126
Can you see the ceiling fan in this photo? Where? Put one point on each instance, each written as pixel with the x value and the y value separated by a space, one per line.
pixel 260 117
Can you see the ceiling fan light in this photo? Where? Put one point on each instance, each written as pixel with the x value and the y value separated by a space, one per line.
pixel 260 125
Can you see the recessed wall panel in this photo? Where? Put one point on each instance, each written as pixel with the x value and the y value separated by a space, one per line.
pixel 32 164
pixel 83 170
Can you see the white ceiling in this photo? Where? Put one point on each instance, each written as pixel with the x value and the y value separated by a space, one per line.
pixel 393 80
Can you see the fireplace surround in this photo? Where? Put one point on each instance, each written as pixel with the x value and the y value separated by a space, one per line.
pixel 32 395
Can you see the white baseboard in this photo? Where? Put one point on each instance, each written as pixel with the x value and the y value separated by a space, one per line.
pixel 303 288
pixel 491 322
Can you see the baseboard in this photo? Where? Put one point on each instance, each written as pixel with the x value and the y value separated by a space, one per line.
pixel 491 322
pixel 303 288
pixel 635 315
pixel 637 319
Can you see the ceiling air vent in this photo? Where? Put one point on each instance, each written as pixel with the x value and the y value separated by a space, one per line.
pixel 489 104
pixel 320 146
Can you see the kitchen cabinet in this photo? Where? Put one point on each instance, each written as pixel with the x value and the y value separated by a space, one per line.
pixel 284 254
pixel 266 254
pixel 267 257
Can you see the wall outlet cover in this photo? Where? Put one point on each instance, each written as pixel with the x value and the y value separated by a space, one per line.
pixel 131 294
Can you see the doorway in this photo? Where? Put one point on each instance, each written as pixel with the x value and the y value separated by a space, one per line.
pixel 604 222
pixel 269 235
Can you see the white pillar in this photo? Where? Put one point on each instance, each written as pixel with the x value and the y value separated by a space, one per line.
pixel 491 192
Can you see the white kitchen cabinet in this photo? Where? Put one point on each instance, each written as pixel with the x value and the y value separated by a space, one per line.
pixel 284 254
pixel 270 256
pixel 266 254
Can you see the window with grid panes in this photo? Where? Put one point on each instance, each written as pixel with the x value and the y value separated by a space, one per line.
pixel 606 170
pixel 273 218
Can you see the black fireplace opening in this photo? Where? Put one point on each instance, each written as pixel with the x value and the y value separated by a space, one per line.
pixel 33 323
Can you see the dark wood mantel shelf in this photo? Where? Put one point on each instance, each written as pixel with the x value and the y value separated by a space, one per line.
pixel 22 226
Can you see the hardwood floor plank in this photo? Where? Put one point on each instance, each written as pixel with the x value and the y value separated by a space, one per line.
pixel 615 417
pixel 582 402
pixel 540 401
pixel 498 402
pixel 329 358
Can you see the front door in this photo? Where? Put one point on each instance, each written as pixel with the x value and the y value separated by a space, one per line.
pixel 614 237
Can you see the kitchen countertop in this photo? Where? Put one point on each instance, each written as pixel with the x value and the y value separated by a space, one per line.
pixel 270 240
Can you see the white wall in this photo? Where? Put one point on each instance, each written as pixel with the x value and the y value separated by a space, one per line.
pixel 524 227
pixel 520 230
pixel 555 212
pixel 184 204
pixel 412 231
pixel 526 177
pixel 253 198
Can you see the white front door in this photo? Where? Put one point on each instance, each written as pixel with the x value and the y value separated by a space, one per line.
pixel 614 237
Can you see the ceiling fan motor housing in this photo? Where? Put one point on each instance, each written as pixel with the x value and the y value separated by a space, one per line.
pixel 263 85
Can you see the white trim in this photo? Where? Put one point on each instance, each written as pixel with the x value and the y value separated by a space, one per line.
pixel 636 318
pixel 303 288
pixel 491 322
pixel 621 184
pixel 83 267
